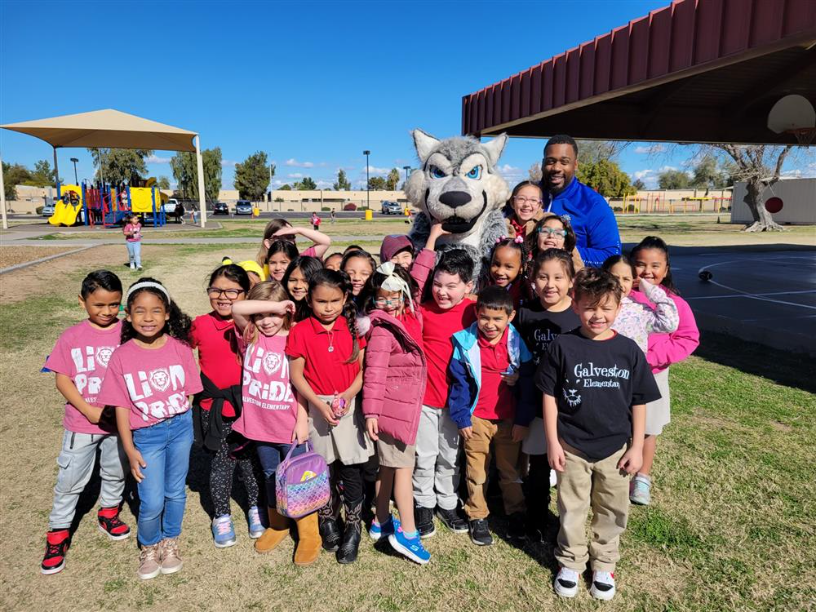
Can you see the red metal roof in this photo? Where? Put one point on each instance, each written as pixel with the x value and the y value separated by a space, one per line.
pixel 688 37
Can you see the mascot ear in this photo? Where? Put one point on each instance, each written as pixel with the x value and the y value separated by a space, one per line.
pixel 424 144
pixel 495 147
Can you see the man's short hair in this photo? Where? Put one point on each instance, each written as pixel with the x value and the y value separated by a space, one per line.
pixel 456 261
pixel 594 284
pixel 495 298
pixel 562 139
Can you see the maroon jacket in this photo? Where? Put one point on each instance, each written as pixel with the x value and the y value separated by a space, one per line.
pixel 394 378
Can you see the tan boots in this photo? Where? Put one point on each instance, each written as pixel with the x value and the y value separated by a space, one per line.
pixel 278 529
pixel 308 547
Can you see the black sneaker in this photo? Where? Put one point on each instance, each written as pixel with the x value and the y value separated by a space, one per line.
pixel 452 520
pixel 517 530
pixel 424 521
pixel 480 532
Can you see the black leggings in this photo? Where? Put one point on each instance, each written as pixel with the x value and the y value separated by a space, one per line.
pixel 352 477
pixel 538 481
pixel 222 470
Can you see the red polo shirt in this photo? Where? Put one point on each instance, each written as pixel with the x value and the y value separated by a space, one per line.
pixel 438 327
pixel 218 357
pixel 496 399
pixel 324 370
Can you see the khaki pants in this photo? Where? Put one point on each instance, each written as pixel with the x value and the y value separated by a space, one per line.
pixel 477 460
pixel 603 487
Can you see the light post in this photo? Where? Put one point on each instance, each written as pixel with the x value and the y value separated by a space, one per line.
pixel 368 183
pixel 406 168
pixel 76 180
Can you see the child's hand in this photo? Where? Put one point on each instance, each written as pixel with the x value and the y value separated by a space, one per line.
pixel 510 379
pixel 556 457
pixel 632 460
pixel 373 427
pixel 345 396
pixel 286 231
pixel 301 433
pixel 283 308
pixel 436 231
pixel 466 432
pixel 136 462
pixel 519 433
pixel 327 413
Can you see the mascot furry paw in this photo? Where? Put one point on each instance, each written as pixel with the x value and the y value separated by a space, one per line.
pixel 459 186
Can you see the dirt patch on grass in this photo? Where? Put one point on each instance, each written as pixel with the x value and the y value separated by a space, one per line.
pixel 17 254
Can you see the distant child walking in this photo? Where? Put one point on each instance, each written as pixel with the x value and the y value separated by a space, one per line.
pixel 325 364
pixel 651 260
pixel 150 379
pixel 133 241
pixel 394 380
pixel 596 383
pixel 272 415
pixel 80 361
pixel 217 407
pixel 489 359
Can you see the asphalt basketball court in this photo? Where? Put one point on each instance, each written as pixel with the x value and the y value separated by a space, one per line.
pixel 761 296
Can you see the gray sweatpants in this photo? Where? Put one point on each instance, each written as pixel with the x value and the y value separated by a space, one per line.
pixel 436 475
pixel 76 463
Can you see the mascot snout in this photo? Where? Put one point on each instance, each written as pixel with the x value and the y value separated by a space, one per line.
pixel 455 199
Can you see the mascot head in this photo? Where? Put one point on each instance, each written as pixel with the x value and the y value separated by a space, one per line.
pixel 459 186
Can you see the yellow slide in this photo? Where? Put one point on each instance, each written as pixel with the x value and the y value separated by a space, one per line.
pixel 67 208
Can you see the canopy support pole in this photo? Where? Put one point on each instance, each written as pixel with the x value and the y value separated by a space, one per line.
pixel 201 195
pixel 3 196
pixel 56 166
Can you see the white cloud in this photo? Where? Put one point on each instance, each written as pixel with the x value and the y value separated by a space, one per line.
pixel 650 149
pixel 295 175
pixel 323 184
pixel 375 170
pixel 228 163
pixel 297 164
pixel 153 159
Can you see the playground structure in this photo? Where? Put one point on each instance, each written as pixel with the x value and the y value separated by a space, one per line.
pixel 100 204
pixel 660 203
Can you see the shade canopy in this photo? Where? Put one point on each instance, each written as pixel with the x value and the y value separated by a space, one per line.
pixel 694 71
pixel 106 129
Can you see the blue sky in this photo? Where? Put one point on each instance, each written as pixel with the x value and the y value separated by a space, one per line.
pixel 311 83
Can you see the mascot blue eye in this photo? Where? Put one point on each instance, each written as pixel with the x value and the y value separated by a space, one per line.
pixel 437 173
pixel 475 173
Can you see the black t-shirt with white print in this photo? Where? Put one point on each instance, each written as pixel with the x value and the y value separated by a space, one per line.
pixel 538 326
pixel 596 383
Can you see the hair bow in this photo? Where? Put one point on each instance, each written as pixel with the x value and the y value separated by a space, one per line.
pixel 501 239
pixel 393 282
pixel 518 239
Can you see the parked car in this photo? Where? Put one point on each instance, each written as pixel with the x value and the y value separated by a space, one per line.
pixel 170 206
pixel 389 208
pixel 48 209
pixel 220 208
pixel 243 207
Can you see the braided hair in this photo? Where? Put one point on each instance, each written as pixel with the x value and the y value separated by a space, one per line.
pixel 486 279
pixel 177 326
pixel 338 280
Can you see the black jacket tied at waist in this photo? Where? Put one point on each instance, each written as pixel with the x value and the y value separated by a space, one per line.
pixel 211 438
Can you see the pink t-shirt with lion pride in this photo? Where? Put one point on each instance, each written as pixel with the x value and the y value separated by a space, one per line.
pixel 153 383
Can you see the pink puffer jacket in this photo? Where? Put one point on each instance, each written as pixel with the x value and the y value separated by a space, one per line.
pixel 394 378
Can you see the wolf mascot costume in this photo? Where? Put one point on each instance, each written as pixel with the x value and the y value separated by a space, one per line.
pixel 458 185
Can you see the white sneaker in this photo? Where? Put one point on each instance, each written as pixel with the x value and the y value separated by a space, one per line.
pixel 553 479
pixel 603 585
pixel 566 582
pixel 133 266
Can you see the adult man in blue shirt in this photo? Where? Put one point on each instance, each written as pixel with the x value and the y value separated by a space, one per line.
pixel 596 230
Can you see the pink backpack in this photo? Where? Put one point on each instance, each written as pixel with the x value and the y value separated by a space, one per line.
pixel 302 483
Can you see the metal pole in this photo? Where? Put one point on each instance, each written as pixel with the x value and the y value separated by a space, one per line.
pixel 3 196
pixel 368 182
pixel 56 165
pixel 201 200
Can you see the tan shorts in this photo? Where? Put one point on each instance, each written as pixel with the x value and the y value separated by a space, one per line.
pixel 658 413
pixel 347 442
pixel 395 454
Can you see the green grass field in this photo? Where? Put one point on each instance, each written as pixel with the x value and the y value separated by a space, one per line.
pixel 731 526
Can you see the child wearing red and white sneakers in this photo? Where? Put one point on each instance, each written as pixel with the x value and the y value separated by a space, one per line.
pixel 80 360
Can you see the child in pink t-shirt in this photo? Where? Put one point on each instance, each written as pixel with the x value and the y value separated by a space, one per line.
pixel 272 415
pixel 80 360
pixel 133 241
pixel 150 378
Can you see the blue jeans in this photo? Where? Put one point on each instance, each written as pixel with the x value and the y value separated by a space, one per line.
pixel 165 448
pixel 271 454
pixel 135 253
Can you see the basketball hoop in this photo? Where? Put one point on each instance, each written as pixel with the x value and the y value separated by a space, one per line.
pixel 804 136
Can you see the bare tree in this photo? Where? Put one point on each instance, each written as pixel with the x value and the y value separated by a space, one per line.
pixel 535 172
pixel 751 165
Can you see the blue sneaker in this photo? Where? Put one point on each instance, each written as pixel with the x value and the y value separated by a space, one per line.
pixel 223 531
pixel 256 528
pixel 378 532
pixel 411 548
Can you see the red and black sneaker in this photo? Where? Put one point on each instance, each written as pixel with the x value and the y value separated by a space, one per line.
pixel 56 543
pixel 110 525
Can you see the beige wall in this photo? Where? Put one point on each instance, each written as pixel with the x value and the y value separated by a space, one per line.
pixel 317 200
pixel 798 202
